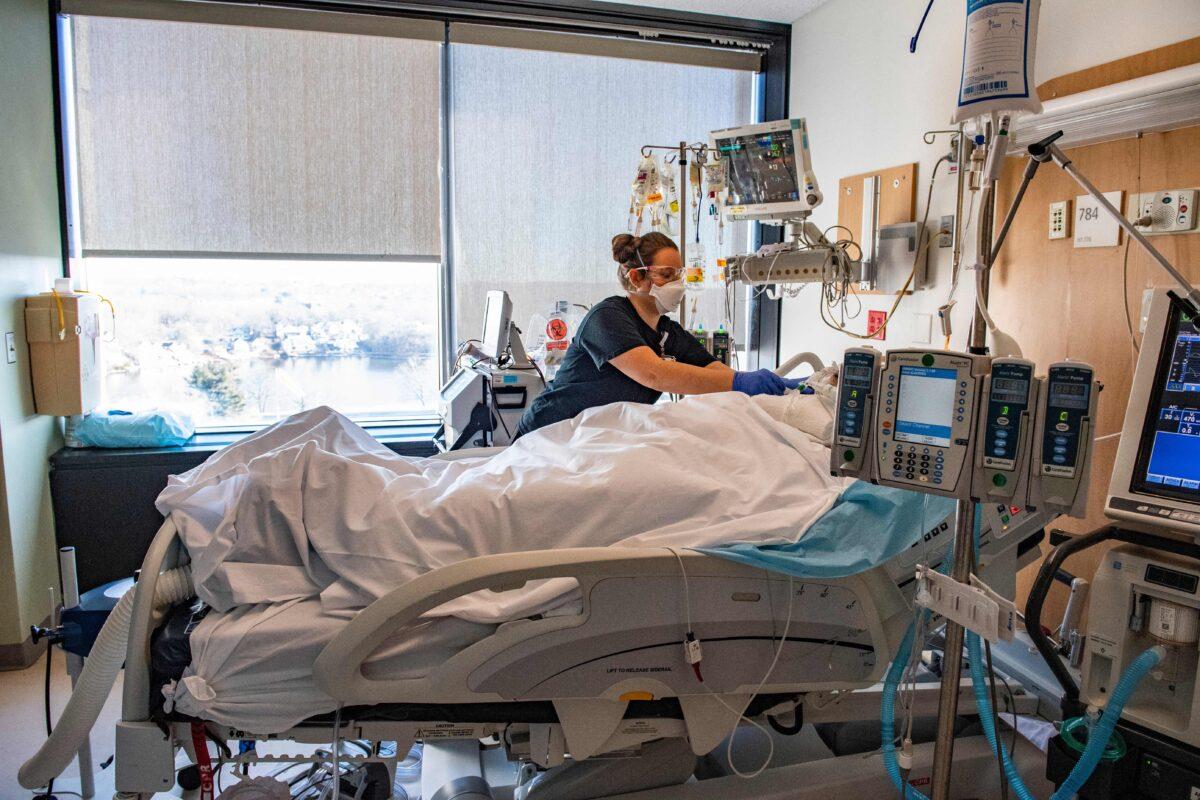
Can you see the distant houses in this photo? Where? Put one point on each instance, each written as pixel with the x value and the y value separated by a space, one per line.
pixel 341 338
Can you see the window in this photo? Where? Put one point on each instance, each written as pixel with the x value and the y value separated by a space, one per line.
pixel 262 207
pixel 245 342
pixel 545 147
pixel 261 192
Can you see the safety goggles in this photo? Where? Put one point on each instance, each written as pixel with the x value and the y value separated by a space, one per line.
pixel 661 274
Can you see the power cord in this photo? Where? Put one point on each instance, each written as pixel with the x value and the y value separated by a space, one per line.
pixel 924 240
pixel 996 719
pixel 49 793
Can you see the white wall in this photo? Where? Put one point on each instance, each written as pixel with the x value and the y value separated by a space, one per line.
pixel 868 101
pixel 29 256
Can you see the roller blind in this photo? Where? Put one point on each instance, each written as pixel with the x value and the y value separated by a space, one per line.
pixel 217 139
pixel 545 147
pixel 609 46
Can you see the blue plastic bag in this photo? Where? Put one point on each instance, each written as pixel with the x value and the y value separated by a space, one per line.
pixel 116 428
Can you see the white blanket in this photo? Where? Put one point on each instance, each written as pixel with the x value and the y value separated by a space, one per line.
pixel 314 507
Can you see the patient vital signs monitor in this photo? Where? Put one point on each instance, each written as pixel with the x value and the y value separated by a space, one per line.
pixel 1156 477
pixel 768 170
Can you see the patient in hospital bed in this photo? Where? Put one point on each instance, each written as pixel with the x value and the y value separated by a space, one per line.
pixel 294 529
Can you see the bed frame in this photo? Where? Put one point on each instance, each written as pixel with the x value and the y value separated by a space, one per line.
pixel 609 678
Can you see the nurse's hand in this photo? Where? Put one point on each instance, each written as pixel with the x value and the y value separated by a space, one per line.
pixel 762 381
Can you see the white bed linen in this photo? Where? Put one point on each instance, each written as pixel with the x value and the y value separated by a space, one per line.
pixel 252 666
pixel 314 507
pixel 726 465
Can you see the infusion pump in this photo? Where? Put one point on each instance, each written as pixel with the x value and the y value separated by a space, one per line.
pixel 967 427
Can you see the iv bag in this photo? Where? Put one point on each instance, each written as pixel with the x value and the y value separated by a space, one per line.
pixel 671 202
pixel 639 190
pixel 654 193
pixel 693 272
pixel 998 56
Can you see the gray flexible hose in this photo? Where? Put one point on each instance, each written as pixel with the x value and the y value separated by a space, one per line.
pixel 96 681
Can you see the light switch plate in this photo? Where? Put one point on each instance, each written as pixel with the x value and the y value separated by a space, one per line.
pixel 10 344
pixel 946 231
pixel 922 328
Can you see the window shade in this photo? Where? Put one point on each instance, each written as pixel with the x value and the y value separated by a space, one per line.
pixel 610 46
pixel 212 139
pixel 545 148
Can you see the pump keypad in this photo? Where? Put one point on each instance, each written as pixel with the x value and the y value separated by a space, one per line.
pixel 919 463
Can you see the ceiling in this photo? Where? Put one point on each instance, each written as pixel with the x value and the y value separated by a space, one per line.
pixel 770 10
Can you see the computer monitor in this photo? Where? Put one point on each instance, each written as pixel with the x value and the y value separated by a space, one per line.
pixel 768 170
pixel 496 317
pixel 1156 477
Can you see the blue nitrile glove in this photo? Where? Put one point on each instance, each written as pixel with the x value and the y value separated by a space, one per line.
pixel 762 381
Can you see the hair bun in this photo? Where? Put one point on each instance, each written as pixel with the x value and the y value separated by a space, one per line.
pixel 625 247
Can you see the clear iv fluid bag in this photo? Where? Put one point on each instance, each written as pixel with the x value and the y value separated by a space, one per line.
pixel 998 57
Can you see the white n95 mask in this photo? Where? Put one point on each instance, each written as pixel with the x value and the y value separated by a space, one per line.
pixel 668 296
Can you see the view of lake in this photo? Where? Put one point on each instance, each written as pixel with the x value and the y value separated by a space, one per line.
pixel 246 342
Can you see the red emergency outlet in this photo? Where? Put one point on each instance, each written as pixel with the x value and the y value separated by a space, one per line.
pixel 877 324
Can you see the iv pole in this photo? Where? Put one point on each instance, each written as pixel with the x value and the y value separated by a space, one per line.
pixel 682 149
pixel 964 536
pixel 1039 153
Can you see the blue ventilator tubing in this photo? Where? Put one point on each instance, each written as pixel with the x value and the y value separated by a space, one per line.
pixel 1092 753
pixel 1098 737
pixel 888 722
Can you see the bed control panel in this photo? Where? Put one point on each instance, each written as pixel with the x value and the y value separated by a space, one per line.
pixel 925 421
pixel 858 385
pixel 1063 441
pixel 1010 394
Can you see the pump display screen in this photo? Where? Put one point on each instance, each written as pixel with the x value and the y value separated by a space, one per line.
pixel 1069 395
pixel 857 375
pixel 1010 390
pixel 1168 460
pixel 925 406
pixel 760 168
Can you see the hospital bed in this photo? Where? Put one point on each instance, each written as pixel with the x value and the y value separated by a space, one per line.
pixel 609 678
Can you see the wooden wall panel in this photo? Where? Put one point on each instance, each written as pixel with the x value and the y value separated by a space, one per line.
pixel 1061 302
pixel 897 197
pixel 1161 59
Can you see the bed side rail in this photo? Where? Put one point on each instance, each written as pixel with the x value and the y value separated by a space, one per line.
pixel 338 669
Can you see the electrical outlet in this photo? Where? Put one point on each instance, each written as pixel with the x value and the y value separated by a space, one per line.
pixel 946 231
pixel 877 324
pixel 1170 211
pixel 10 344
pixel 1060 219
